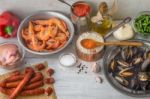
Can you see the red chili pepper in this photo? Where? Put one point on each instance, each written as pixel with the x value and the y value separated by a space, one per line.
pixel 9 24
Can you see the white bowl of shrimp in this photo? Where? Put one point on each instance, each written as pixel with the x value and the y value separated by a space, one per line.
pixel 45 32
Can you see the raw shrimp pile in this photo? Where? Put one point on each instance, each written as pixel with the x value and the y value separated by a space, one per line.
pixel 46 35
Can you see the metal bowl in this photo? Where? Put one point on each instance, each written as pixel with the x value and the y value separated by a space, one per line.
pixel 112 81
pixel 44 15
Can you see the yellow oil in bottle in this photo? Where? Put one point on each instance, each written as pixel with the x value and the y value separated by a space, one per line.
pixel 103 26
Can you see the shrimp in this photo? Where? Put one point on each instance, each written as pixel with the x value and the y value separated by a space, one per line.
pixel 52 21
pixel 52 44
pixel 58 23
pixel 38 28
pixel 42 22
pixel 64 24
pixel 62 44
pixel 36 44
pixel 31 28
pixel 54 31
pixel 24 34
pixel 43 34
pixel 61 37
pixel 46 33
pixel 28 33
pixel 67 34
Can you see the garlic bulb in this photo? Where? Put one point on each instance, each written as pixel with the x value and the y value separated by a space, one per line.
pixel 124 33
pixel 95 68
pixel 97 18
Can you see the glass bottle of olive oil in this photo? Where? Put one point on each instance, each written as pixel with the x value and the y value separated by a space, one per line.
pixel 102 22
pixel 103 26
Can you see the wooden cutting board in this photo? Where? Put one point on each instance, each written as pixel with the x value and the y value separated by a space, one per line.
pixel 43 96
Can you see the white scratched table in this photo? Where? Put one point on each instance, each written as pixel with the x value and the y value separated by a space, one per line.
pixel 69 84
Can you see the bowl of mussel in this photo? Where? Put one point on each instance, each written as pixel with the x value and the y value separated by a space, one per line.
pixel 127 69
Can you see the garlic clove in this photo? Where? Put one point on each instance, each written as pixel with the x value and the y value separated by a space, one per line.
pixel 95 68
pixel 97 18
pixel 99 79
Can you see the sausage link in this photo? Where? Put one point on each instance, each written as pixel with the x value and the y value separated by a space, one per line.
pixel 33 92
pixel 21 85
pixel 14 78
pixel 34 85
pixel 38 76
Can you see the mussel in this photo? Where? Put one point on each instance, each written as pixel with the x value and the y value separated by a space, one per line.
pixel 128 52
pixel 143 76
pixel 130 66
pixel 126 73
pixel 147 55
pixel 137 60
pixel 145 65
pixel 113 65
pixel 122 80
pixel 123 63
pixel 116 51
pixel 134 83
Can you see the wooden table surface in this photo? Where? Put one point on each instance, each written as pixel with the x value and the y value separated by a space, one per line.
pixel 69 84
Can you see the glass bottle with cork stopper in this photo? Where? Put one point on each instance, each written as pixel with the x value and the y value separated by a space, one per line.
pixel 103 21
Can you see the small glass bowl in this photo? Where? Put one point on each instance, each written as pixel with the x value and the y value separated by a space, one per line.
pixel 18 62
pixel 68 66
pixel 145 35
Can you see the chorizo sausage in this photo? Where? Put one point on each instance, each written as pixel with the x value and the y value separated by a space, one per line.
pixel 18 89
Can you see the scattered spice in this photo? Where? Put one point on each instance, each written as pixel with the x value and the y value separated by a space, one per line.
pixel 79 65
pixel 82 68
